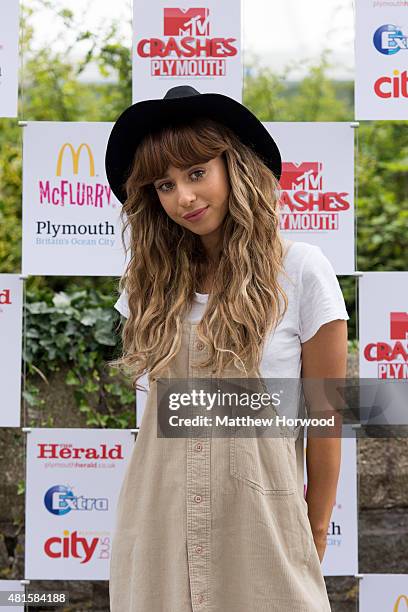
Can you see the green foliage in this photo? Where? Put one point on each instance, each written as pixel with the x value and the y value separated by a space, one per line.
pixel 382 215
pixel 273 97
pixel 10 196
pixel 78 330
pixel 316 98
pixel 21 487
pixel 50 87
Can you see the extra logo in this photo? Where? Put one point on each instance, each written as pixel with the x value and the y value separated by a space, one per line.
pixel 186 49
pixel 60 500
pixel 389 39
pixel 304 202
pixel 71 545
pixel 392 355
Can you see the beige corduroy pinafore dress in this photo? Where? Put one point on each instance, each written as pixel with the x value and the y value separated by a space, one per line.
pixel 212 524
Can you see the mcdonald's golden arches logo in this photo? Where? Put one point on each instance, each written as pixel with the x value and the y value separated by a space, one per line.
pixel 397 607
pixel 75 158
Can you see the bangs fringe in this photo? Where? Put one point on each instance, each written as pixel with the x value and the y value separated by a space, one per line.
pixel 181 146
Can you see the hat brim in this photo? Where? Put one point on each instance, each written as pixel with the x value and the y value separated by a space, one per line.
pixel 150 115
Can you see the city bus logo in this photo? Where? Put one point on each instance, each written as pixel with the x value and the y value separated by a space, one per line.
pixel 75 158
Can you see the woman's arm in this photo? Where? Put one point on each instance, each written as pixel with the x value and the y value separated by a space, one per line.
pixel 323 356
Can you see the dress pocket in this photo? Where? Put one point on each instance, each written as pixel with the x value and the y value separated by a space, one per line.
pixel 263 463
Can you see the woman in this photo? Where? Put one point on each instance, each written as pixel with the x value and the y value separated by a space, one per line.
pixel 218 523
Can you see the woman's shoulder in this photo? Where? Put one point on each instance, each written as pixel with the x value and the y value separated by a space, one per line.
pixel 316 292
pixel 296 253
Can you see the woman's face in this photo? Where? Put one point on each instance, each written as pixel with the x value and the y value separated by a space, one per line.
pixel 202 186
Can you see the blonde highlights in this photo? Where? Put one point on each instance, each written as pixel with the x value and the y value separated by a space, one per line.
pixel 166 259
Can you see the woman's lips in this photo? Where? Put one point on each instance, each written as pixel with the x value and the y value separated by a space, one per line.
pixel 196 215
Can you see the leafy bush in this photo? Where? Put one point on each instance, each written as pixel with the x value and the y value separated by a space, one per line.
pixel 78 330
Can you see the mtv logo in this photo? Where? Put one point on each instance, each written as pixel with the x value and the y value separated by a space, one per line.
pixel 398 325
pixel 304 176
pixel 186 22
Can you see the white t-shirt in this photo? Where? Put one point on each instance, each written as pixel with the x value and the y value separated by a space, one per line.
pixel 314 298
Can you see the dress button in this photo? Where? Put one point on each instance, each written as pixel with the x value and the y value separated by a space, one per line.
pixel 198 549
pixel 197 498
pixel 199 346
pixel 200 598
pixel 198 447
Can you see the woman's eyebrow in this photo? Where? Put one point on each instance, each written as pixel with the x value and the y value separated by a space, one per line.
pixel 165 176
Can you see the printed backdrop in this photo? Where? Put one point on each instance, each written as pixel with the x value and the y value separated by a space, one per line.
pixel 11 317
pixel 71 223
pixel 384 592
pixel 317 186
pixel 72 226
pixel 194 42
pixel 73 483
pixel 381 81
pixel 383 333
pixel 383 329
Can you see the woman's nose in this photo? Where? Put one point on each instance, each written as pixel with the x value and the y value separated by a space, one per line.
pixel 186 195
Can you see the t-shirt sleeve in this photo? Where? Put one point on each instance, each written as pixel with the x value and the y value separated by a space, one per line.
pixel 122 304
pixel 320 296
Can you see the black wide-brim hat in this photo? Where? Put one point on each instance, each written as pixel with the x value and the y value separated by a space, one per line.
pixel 179 105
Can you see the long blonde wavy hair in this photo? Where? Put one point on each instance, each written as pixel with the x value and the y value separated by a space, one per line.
pixel 166 260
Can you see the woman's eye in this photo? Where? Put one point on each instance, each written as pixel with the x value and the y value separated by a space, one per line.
pixel 160 187
pixel 198 172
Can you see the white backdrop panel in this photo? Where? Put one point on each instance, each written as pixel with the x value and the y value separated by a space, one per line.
pixel 317 187
pixel 384 592
pixel 11 323
pixel 383 333
pixel 73 482
pixel 383 325
pixel 187 42
pixel 381 77
pixel 71 223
